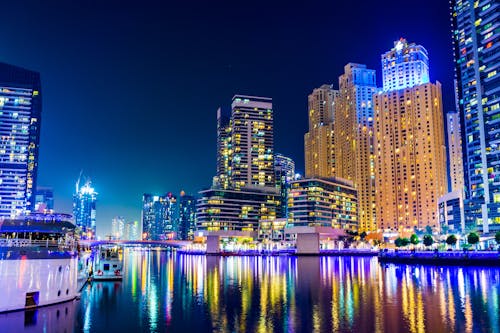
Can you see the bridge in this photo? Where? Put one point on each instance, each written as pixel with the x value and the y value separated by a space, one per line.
pixel 154 243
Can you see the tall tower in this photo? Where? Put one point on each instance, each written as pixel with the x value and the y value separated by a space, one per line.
pixel 20 111
pixel 244 191
pixel 224 149
pixel 318 142
pixel 84 209
pixel 404 66
pixel 454 136
pixel 252 141
pixel 158 216
pixel 353 130
pixel 410 156
pixel 475 39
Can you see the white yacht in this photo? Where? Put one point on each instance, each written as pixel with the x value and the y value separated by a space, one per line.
pixel 38 261
pixel 107 263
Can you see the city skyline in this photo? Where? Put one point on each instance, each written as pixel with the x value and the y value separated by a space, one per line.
pixel 111 134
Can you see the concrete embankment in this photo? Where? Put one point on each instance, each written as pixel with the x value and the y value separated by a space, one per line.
pixel 449 258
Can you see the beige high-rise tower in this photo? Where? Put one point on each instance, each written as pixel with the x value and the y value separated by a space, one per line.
pixel 455 151
pixel 318 142
pixel 353 135
pixel 410 155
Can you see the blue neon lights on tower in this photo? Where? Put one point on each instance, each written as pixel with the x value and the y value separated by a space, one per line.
pixel 84 209
pixel 476 39
pixel 404 66
pixel 20 110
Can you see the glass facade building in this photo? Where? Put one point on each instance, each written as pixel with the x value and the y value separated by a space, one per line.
pixel 235 210
pixel 158 217
pixel 20 112
pixel 476 38
pixel 187 216
pixel 284 170
pixel 316 202
pixel 84 210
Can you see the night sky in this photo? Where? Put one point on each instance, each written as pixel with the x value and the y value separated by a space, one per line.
pixel 130 90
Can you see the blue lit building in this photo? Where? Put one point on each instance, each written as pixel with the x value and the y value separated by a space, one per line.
pixel 187 216
pixel 477 57
pixel 84 210
pixel 158 217
pixel 405 66
pixel 20 111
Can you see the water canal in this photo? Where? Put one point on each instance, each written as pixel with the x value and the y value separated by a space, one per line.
pixel 168 292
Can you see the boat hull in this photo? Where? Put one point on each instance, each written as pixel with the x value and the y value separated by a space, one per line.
pixel 28 283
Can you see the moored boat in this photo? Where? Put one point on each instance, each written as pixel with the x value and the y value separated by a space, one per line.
pixel 38 261
pixel 107 263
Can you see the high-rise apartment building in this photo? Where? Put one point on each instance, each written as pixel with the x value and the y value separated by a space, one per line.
pixel 158 216
pixel 20 111
pixel 244 190
pixel 404 66
pixel 118 227
pixel 476 40
pixel 319 140
pixel 187 216
pixel 454 136
pixel 353 129
pixel 316 202
pixel 410 155
pixel 84 209
pixel 252 141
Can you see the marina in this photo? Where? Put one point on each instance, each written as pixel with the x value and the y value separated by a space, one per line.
pixel 164 291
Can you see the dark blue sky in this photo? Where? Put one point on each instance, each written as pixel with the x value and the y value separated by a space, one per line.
pixel 130 89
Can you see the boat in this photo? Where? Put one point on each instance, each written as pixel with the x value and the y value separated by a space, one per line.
pixel 107 262
pixel 38 261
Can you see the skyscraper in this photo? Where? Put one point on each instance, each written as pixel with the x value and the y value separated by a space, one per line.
pixel 353 130
pixel 84 209
pixel 224 149
pixel 318 141
pixel 158 216
pixel 252 163
pixel 20 111
pixel 410 155
pixel 187 216
pixel 244 189
pixel 476 39
pixel 454 136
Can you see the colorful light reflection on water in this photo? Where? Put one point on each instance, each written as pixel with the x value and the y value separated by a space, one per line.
pixel 165 292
